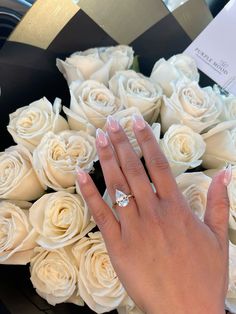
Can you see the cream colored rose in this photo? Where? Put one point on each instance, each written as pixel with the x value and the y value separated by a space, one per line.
pixel 220 145
pixel 56 157
pixel 229 105
pixel 60 219
pixel 91 103
pixel 156 129
pixel 167 73
pixel 18 180
pixel 230 301
pixel 183 148
pixel 198 108
pixel 98 64
pixel 98 283
pixel 17 239
pixel 229 108
pixel 186 65
pixel 136 90
pixel 29 124
pixel 194 187
pixel 125 119
pixel 54 276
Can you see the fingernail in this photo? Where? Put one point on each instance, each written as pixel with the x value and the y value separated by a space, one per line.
pixel 138 121
pixel 113 124
pixel 81 175
pixel 227 175
pixel 102 138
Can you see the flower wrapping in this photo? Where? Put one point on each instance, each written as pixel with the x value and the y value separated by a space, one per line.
pixel 121 94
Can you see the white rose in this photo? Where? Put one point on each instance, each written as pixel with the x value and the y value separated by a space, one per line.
pixel 194 187
pixel 28 124
pixel 18 180
pixel 220 145
pixel 56 157
pixel 91 103
pixel 125 119
pixel 165 75
pixel 230 301
pixel 198 108
pixel 17 239
pixel 229 105
pixel 229 108
pixel 98 283
pixel 211 172
pixel 54 276
pixel 182 147
pixel 156 129
pixel 186 65
pixel 60 219
pixel 136 90
pixel 98 64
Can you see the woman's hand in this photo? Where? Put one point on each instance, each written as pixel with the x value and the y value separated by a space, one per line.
pixel 167 259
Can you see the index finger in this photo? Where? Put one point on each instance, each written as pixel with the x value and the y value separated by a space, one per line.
pixel 101 212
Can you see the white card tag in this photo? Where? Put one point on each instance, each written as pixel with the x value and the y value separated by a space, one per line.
pixel 215 49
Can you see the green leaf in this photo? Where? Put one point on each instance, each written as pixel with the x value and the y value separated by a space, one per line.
pixel 135 65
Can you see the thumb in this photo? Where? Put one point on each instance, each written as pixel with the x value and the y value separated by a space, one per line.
pixel 217 211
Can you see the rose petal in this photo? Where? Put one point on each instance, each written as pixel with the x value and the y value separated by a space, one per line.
pixel 60 219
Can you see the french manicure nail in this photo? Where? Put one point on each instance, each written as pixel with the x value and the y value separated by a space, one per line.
pixel 139 122
pixel 113 124
pixel 102 138
pixel 81 175
pixel 227 175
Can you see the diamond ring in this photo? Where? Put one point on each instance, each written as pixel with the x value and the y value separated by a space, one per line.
pixel 122 199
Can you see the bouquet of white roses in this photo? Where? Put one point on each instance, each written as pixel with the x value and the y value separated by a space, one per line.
pixel 44 218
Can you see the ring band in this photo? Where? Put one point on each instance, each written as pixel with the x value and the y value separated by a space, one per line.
pixel 122 199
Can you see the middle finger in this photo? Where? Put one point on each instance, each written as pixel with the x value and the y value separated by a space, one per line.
pixel 131 165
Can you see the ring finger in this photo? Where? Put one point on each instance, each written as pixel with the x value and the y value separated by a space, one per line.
pixel 115 179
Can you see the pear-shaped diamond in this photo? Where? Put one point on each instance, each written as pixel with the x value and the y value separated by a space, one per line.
pixel 121 199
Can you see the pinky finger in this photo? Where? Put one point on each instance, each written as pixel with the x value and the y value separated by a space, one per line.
pixel 101 212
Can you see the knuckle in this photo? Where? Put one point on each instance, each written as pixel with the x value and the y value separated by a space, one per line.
pixel 156 219
pixel 147 138
pixel 222 205
pixel 225 201
pixel 120 187
pixel 88 192
pixel 134 167
pixel 186 216
pixel 101 218
pixel 159 225
pixel 176 210
pixel 119 138
pixel 106 155
pixel 159 162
